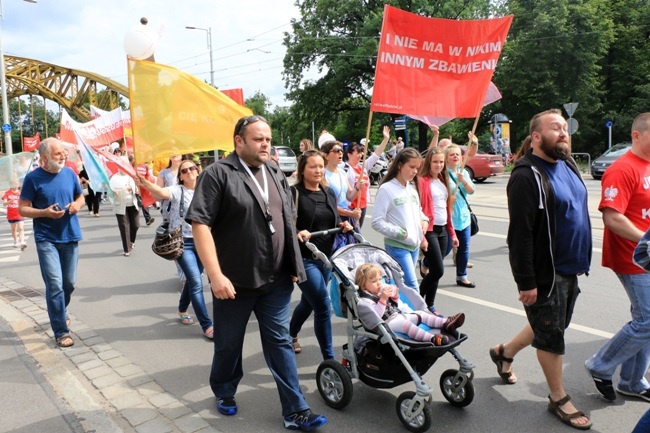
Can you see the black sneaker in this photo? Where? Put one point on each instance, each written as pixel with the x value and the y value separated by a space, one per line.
pixel 605 387
pixel 644 394
pixel 227 406
pixel 151 221
pixel 305 421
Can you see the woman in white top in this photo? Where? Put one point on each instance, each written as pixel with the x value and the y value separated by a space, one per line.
pixel 354 153
pixel 125 206
pixel 180 196
pixel 337 180
pixel 397 214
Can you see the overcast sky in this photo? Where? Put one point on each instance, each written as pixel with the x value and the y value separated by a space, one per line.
pixel 89 35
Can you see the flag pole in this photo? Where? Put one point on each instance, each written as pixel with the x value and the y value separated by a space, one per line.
pixel 363 157
pixel 469 149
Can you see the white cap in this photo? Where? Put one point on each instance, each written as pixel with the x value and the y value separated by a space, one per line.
pixel 324 138
pixel 362 142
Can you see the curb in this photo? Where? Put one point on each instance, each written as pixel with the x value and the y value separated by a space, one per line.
pixel 104 389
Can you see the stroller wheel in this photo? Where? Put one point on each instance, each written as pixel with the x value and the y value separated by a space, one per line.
pixel 457 389
pixel 334 384
pixel 415 415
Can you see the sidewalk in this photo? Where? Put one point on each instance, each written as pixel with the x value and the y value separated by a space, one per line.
pixel 89 387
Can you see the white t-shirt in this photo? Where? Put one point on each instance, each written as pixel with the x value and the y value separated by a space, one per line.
pixel 439 194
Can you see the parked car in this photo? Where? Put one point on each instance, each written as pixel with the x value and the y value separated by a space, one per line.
pixel 603 162
pixel 285 158
pixel 482 166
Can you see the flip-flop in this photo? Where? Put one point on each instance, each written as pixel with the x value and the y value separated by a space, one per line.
pixel 65 341
pixel 499 358
pixel 554 408
pixel 186 319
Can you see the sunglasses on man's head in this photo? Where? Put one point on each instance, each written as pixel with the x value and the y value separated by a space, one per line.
pixel 249 120
pixel 188 169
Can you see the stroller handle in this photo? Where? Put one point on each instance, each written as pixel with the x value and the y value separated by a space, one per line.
pixel 333 231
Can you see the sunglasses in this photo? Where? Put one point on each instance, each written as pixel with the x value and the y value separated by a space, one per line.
pixel 188 169
pixel 337 150
pixel 248 120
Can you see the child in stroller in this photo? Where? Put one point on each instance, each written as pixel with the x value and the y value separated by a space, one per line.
pixel 385 301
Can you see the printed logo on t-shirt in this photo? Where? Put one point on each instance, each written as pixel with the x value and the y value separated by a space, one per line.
pixel 610 193
pixel 646 182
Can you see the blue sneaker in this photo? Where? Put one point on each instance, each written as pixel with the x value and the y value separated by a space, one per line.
pixel 305 421
pixel 227 406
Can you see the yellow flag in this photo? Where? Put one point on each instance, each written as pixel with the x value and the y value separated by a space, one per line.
pixel 173 113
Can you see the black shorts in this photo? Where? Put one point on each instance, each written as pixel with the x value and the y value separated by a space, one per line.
pixel 549 317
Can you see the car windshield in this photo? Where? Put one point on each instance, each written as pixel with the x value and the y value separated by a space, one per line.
pixel 617 150
pixel 285 151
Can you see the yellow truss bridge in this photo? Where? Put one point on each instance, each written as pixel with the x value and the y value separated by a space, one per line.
pixel 70 88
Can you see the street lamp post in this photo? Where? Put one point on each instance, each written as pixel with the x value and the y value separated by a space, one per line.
pixel 3 82
pixel 209 31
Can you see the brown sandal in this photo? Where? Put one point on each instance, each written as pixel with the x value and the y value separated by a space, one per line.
pixel 554 407
pixel 65 341
pixel 499 358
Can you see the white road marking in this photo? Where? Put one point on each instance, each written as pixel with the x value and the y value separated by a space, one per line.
pixel 520 312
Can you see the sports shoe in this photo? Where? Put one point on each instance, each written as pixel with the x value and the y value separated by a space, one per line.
pixel 439 340
pixel 16 245
pixel 604 386
pixel 23 246
pixel 454 322
pixel 305 421
pixel 644 394
pixel 151 221
pixel 227 406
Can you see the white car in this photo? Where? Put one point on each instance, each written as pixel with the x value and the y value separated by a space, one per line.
pixel 285 158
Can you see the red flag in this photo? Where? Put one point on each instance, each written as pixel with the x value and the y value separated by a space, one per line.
pixel 436 67
pixel 30 144
pixel 99 132
pixel 147 198
pixel 115 163
pixel 236 95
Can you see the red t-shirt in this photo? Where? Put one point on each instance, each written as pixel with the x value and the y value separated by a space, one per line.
pixel 626 189
pixel 12 204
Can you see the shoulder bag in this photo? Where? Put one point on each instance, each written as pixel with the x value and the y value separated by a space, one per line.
pixel 168 242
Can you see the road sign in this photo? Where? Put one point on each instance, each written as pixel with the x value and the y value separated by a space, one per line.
pixel 400 124
pixel 573 125
pixel 6 127
pixel 609 124
pixel 570 108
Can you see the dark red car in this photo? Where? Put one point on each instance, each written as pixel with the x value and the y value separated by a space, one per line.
pixel 482 166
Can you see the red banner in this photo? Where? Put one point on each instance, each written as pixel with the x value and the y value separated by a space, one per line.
pixel 99 132
pixel 236 95
pixel 435 67
pixel 30 144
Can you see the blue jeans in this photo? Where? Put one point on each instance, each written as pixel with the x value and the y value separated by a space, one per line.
pixel 407 260
pixel 58 263
pixel 271 308
pixel 462 255
pixel 192 267
pixel 643 426
pixel 630 347
pixel 315 297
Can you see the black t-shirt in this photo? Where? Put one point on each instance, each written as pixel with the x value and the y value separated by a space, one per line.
pixel 275 208
pixel 315 203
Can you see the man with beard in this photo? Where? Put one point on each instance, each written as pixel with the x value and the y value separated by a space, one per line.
pixel 549 241
pixel 52 196
pixel 624 204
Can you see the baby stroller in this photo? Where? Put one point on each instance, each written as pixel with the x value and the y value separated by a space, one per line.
pixel 379 357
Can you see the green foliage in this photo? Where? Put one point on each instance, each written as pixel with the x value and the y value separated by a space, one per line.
pixel 30 126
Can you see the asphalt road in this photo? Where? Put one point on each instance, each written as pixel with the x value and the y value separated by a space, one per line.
pixel 132 301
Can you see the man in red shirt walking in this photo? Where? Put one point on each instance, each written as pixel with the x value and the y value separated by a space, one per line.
pixel 625 204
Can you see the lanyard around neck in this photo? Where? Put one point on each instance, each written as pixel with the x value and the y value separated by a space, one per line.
pixel 265 191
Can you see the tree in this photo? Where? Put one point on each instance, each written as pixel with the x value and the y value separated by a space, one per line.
pixel 44 121
pixel 553 56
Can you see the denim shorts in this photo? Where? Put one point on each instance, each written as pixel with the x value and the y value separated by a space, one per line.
pixel 549 317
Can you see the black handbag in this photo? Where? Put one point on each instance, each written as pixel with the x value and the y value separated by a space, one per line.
pixel 472 217
pixel 168 242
